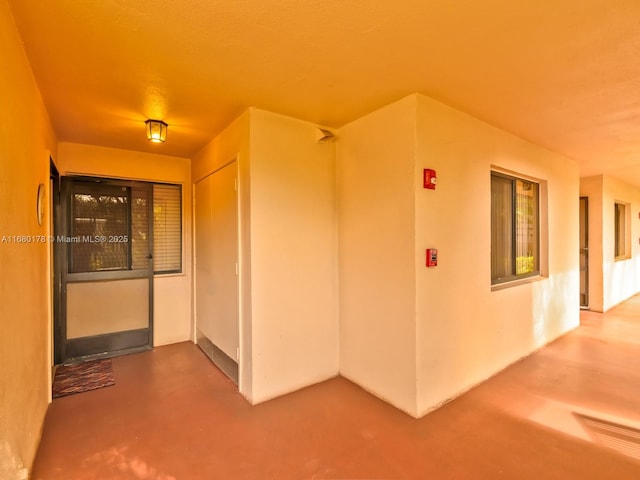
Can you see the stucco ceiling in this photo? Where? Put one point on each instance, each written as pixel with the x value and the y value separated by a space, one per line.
pixel 564 74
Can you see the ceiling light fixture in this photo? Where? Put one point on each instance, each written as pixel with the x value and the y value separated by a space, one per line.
pixel 156 131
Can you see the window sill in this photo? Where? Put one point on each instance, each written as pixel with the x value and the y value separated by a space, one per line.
pixel 622 258
pixel 515 283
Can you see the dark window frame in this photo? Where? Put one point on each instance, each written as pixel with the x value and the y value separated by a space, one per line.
pixel 498 278
pixel 109 186
pixel 620 236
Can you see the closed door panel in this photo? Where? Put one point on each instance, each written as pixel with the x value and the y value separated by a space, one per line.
pixel 204 254
pixel 107 272
pixel 216 259
pixel 98 308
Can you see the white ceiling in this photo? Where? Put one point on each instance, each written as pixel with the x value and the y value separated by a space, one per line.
pixel 564 74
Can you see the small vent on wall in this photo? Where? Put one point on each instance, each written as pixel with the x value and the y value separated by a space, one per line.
pixel 323 135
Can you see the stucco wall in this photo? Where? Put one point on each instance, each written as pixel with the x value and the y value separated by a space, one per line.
pixel 621 277
pixel 611 280
pixel 293 256
pixel 288 250
pixel 416 336
pixel 233 143
pixel 465 331
pixel 26 142
pixel 591 187
pixel 375 158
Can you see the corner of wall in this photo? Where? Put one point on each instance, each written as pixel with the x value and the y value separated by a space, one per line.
pixel 293 225
pixel 376 184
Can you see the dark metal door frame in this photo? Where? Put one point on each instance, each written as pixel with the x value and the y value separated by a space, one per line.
pixel 55 180
pixel 103 345
pixel 584 251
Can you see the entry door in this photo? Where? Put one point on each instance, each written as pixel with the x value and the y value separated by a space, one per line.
pixel 217 291
pixel 584 252
pixel 105 245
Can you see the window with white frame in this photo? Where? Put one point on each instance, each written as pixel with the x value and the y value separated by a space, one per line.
pixel 515 228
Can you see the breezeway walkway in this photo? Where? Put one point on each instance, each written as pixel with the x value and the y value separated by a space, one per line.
pixel 569 411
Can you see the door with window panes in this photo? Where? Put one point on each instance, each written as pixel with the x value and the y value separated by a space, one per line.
pixel 106 250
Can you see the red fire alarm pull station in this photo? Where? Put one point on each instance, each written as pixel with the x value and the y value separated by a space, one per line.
pixel 432 257
pixel 429 179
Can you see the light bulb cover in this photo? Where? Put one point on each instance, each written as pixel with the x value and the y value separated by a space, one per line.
pixel 156 131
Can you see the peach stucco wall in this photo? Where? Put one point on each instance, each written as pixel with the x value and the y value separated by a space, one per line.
pixel 293 256
pixel 288 250
pixel 26 143
pixel 591 187
pixel 621 277
pixel 611 280
pixel 233 144
pixel 376 211
pixel 416 336
pixel 465 330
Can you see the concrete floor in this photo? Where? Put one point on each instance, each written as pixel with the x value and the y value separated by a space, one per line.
pixel 562 413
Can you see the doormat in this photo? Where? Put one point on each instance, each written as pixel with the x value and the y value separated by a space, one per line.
pixel 82 377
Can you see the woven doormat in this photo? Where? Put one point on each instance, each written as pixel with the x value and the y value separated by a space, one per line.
pixel 82 377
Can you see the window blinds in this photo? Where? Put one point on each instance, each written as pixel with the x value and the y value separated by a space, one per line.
pixel 167 228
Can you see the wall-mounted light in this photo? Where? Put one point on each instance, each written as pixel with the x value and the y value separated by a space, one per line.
pixel 156 131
